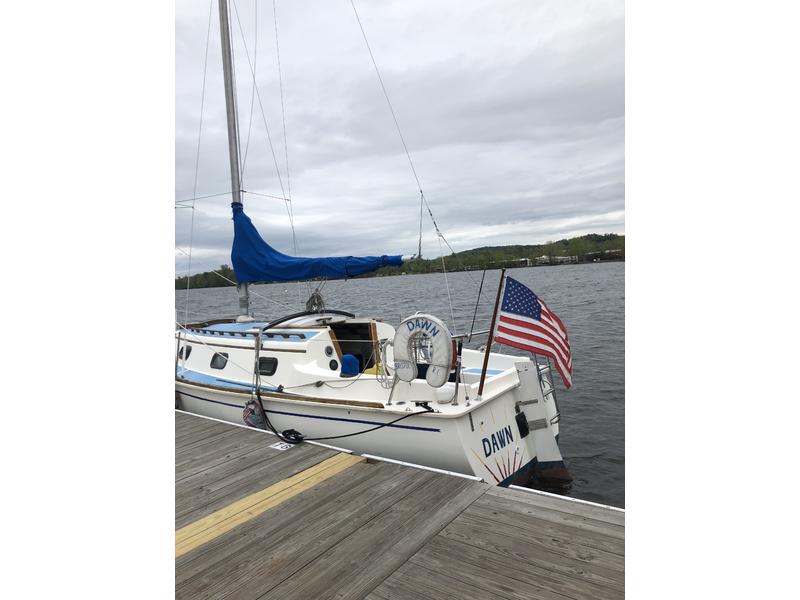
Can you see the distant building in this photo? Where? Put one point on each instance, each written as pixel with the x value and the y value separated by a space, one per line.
pixel 565 260
pixel 512 262
pixel 556 260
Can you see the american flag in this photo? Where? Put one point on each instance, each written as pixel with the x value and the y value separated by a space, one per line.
pixel 526 323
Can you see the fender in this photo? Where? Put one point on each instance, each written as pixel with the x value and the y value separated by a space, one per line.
pixel 436 331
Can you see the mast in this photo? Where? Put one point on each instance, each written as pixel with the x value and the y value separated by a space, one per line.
pixel 233 138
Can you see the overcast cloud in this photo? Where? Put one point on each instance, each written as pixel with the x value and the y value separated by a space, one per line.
pixel 513 112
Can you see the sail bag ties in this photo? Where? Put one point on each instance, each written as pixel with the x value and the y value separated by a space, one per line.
pixel 254 260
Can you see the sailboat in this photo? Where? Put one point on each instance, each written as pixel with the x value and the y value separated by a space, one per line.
pixel 412 393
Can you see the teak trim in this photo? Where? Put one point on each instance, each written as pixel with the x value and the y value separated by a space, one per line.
pixel 336 345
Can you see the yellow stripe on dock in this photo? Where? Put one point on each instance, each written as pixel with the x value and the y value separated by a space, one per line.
pixel 206 529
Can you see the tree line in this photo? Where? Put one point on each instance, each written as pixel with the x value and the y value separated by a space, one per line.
pixel 593 247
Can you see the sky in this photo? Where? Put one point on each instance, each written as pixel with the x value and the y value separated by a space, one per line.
pixel 512 111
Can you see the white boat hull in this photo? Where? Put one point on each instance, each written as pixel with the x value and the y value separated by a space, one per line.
pixel 486 442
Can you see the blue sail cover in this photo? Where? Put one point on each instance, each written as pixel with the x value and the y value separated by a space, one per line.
pixel 255 260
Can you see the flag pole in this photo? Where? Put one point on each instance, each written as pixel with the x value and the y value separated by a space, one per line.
pixel 491 335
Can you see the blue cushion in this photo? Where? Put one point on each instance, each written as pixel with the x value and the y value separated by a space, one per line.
pixel 349 365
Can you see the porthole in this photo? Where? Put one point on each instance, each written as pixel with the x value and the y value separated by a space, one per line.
pixel 267 365
pixel 219 360
pixel 333 365
pixel 185 349
pixel 328 350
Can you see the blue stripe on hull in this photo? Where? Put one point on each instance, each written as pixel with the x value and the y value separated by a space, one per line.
pixel 237 386
pixel 279 412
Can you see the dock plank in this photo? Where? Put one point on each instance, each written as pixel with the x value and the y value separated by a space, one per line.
pixel 283 542
pixel 512 505
pixel 207 491
pixel 374 530
pixel 287 520
pixel 226 448
pixel 600 513
pixel 187 433
pixel 563 532
pixel 529 571
pixel 515 546
pixel 433 562
pixel 244 510
pixel 385 542
pixel 405 584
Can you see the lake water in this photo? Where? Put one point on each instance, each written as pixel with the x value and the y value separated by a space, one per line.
pixel 589 298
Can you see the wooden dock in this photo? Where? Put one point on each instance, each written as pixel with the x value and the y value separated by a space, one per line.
pixel 311 522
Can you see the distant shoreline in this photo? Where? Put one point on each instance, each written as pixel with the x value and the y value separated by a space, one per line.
pixel 591 248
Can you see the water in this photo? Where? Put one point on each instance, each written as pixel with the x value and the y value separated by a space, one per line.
pixel 589 298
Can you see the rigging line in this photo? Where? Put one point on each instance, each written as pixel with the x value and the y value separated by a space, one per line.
pixel 266 195
pixel 475 314
pixel 419 247
pixel 196 340
pixel 269 138
pixel 197 159
pixel 447 285
pixel 228 194
pixel 351 381
pixel 289 208
pixel 294 245
pixel 252 91
pixel 260 103
pixel 400 133
pixel 252 291
pixel 386 95
pixel 283 106
pixel 435 225
pixel 203 197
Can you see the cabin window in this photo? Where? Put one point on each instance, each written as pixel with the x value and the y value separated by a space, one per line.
pixel 219 360
pixel 267 365
pixel 184 352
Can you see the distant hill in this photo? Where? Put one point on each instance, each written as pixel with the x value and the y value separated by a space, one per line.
pixel 593 247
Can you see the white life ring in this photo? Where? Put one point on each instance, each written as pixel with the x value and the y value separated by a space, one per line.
pixel 440 363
